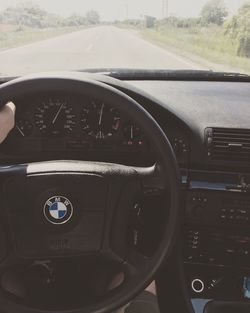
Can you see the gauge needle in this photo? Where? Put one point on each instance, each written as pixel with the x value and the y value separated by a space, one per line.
pixel 101 114
pixel 20 131
pixel 132 132
pixel 57 114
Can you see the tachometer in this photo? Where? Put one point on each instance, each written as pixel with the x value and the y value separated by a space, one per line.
pixel 100 120
pixel 55 117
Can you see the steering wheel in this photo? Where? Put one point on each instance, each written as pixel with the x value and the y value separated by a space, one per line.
pixel 95 200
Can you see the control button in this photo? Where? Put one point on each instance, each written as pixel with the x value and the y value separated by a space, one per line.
pixel 199 199
pixel 190 258
pixel 180 146
pixel 197 285
pixel 242 211
pixel 243 252
pixel 231 251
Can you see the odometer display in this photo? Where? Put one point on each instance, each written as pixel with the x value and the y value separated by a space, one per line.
pixel 55 117
pixel 99 120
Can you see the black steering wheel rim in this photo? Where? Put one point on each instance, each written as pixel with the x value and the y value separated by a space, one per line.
pixel 80 84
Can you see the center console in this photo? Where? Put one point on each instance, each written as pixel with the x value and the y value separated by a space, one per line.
pixel 217 236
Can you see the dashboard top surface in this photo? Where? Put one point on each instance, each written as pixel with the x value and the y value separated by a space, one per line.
pixel 203 104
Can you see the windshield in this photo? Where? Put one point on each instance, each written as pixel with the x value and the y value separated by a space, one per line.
pixel 49 35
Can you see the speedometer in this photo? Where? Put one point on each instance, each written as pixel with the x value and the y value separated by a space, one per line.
pixel 55 116
pixel 99 120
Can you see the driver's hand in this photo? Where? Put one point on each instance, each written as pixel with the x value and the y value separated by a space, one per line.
pixel 7 120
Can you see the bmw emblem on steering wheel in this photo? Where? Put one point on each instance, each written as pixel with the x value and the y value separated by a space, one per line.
pixel 58 210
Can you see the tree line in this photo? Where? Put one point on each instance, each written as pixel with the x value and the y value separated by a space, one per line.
pixel 214 12
pixel 28 14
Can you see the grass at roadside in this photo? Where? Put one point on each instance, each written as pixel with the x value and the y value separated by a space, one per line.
pixel 209 44
pixel 14 36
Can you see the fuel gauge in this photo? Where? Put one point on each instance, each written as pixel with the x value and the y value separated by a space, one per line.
pixel 132 132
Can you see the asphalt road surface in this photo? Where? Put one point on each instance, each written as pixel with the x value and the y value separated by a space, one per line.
pixel 98 47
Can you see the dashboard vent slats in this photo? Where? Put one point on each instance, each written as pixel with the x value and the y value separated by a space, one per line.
pixel 227 144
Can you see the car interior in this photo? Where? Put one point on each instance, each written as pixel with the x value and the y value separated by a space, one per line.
pixel 125 181
pixel 159 191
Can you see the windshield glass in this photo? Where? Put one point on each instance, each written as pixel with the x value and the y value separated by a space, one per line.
pixel 48 35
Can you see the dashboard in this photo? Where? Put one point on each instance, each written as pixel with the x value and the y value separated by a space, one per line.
pixel 208 126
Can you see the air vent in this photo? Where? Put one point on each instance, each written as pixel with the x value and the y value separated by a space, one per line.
pixel 228 144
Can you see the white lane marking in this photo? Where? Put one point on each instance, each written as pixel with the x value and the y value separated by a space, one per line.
pixel 89 48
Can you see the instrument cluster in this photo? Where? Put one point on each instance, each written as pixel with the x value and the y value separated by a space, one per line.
pixel 72 124
pixel 60 116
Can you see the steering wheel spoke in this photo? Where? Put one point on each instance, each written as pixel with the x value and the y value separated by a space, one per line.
pixel 134 262
pixel 152 177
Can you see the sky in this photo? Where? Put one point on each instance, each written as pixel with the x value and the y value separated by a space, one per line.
pixel 110 10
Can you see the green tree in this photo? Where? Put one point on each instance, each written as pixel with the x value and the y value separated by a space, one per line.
pixel 92 17
pixel 25 14
pixel 238 29
pixel 75 20
pixel 214 12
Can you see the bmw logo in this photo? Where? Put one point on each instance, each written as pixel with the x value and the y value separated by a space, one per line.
pixel 58 210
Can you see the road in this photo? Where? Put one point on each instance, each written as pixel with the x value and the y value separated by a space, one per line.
pixel 98 47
